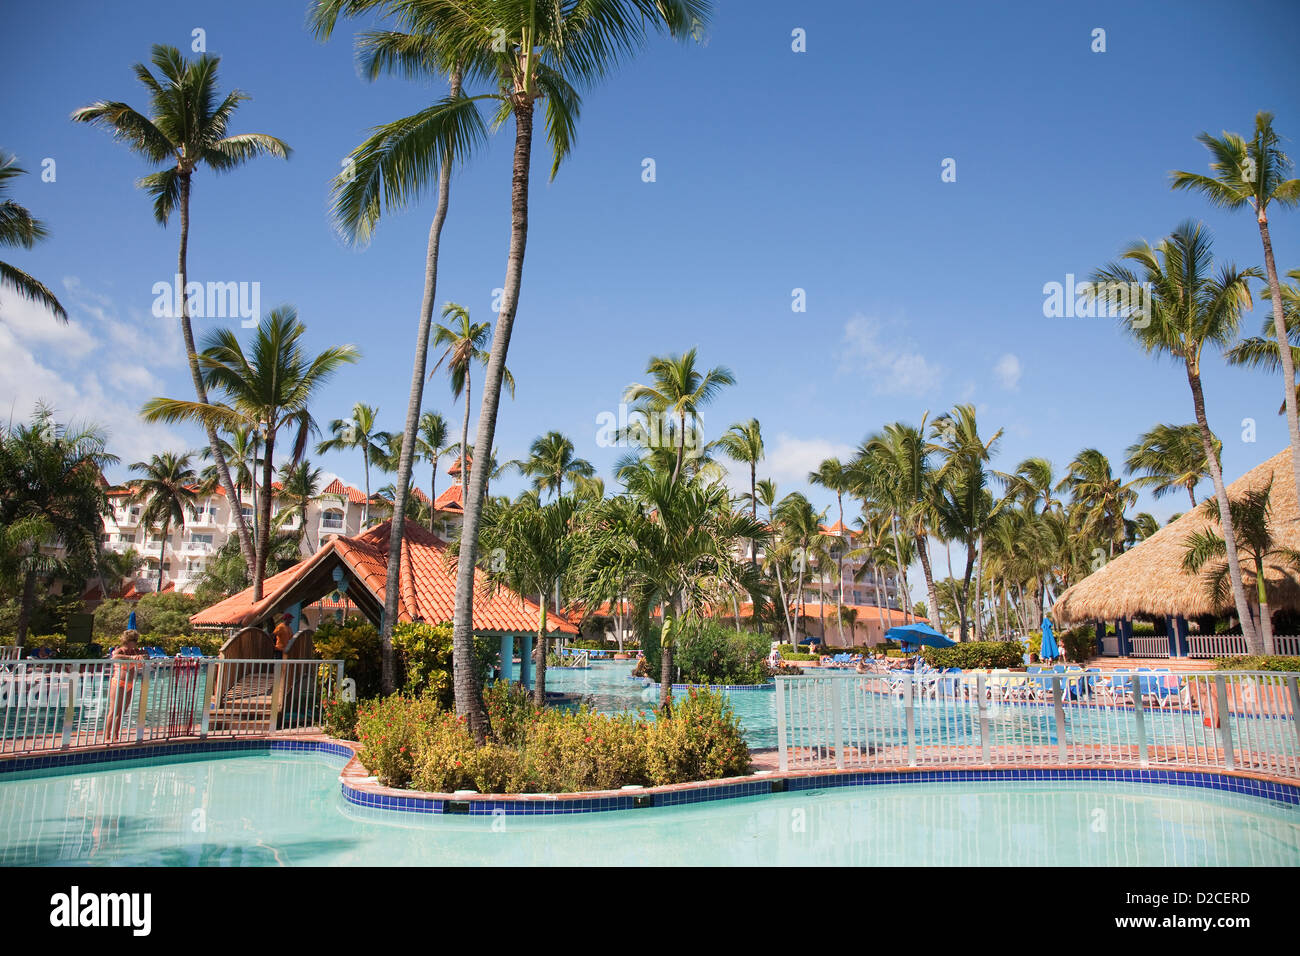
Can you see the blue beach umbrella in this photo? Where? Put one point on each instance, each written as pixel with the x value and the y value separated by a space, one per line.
pixel 130 621
pixel 916 634
pixel 1049 649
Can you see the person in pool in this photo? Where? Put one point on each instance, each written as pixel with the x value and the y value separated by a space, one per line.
pixel 121 680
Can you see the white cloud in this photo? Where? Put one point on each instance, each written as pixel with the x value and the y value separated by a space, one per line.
pixel 1008 371
pixel 892 362
pixel 790 459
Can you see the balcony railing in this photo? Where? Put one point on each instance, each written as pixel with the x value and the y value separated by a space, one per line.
pixel 1225 720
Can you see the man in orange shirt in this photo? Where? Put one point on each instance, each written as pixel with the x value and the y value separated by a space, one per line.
pixel 282 636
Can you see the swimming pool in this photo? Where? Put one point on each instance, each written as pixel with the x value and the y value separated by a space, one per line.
pixel 279 808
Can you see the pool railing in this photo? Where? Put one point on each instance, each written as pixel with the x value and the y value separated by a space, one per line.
pixel 55 705
pixel 1212 720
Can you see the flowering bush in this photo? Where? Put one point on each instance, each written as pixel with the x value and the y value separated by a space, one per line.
pixel 702 740
pixel 389 731
pixel 339 718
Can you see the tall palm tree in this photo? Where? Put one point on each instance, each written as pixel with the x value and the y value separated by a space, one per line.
pixel 186 129
pixel 743 443
pixel 51 476
pixel 462 342
pixel 396 164
pixel 300 486
pixel 801 541
pixel 19 228
pixel 531 51
pixel 1254 174
pixel 551 460
pixel 677 392
pixel 430 445
pixel 359 431
pixel 242 452
pixel 1170 458
pixel 166 489
pixel 1261 351
pixel 1099 498
pixel 542 545
pixel 1190 307
pixel 268 387
pixel 833 476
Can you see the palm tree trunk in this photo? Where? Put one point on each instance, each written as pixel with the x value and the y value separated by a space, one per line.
pixel 839 567
pixel 1225 514
pixel 923 552
pixel 162 555
pixel 979 589
pixel 246 547
pixel 365 463
pixel 264 525
pixel 469 700
pixel 433 480
pixel 464 440
pixel 1283 347
pixel 25 608
pixel 539 654
pixel 1265 617
pixel 406 459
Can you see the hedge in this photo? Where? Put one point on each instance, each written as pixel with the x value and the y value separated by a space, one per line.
pixel 973 654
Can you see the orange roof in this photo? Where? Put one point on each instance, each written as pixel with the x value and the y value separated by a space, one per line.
pixel 428 586
pixel 454 467
pixel 837 529
pixel 354 495
pixel 452 499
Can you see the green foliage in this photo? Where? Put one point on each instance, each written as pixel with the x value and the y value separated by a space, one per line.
pixel 355 642
pixel 714 654
pixel 1259 662
pixel 975 654
pixel 389 730
pixel 339 718
pixel 1079 643
pixel 165 615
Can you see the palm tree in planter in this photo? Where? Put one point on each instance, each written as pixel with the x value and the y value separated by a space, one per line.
pixel 550 460
pixel 1206 553
pixel 359 431
pixel 541 547
pixel 20 228
pixel 1188 307
pixel 1253 174
pixel 269 387
pixel 165 489
pixel 186 129
pixel 1170 458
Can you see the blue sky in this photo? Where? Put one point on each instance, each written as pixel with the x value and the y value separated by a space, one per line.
pixel 775 170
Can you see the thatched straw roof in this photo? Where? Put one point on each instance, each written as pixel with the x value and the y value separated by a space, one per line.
pixel 1149 579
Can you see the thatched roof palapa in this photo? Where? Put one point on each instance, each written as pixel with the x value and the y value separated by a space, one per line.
pixel 1149 579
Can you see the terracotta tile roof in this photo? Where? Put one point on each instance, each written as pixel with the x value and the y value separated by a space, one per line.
pixel 454 467
pixel 354 495
pixel 452 499
pixel 428 586
pixel 838 529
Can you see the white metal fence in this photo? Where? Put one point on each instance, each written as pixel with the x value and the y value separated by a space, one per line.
pixel 1212 720
pixel 10 652
pixel 57 705
pixel 1287 645
pixel 1149 647
pixel 1216 645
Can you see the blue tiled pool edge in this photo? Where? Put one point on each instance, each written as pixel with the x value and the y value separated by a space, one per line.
pixel 759 785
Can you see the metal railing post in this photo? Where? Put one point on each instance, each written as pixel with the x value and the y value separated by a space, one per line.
pixel 142 711
pixel 1058 705
pixel 783 758
pixel 1225 721
pixel 210 675
pixel 1293 683
pixel 837 719
pixel 70 712
pixel 986 752
pixel 1144 759
pixel 908 703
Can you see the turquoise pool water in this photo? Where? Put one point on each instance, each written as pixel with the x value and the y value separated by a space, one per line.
pixel 285 809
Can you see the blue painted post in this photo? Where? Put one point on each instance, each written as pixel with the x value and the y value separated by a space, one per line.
pixel 526 662
pixel 296 611
pixel 1184 638
pixel 1171 631
pixel 507 656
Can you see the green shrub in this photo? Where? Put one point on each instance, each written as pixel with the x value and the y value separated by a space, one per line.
pixel 702 740
pixel 1079 643
pixel 446 760
pixel 389 730
pixel 1258 662
pixel 355 642
pixel 976 654
pixel 714 654
pixel 567 752
pixel 166 615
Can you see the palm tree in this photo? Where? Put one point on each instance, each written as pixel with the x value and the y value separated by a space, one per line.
pixel 19 228
pixel 678 392
pixel 1099 499
pixel 1190 308
pixel 430 445
pixel 185 130
pixel 300 486
pixel 1254 174
pixel 833 476
pixel 269 387
pixel 396 164
pixel 800 539
pixel 166 490
pixel 359 431
pixel 51 476
pixel 242 451
pixel 542 545
pixel 1170 458
pixel 531 51
pixel 551 460
pixel 464 341
pixel 743 443
pixel 1261 351
pixel 1250 515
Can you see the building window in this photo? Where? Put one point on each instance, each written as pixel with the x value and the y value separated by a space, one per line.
pixel 332 520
